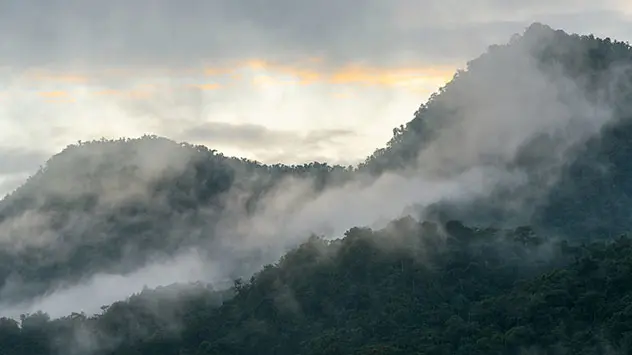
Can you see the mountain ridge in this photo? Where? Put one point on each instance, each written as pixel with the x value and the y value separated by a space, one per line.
pixel 534 132
pixel 148 186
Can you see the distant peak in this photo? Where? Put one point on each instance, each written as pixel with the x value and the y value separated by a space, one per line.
pixel 538 28
pixel 538 31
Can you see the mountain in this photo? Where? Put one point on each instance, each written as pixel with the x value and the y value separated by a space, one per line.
pixel 411 288
pixel 562 105
pixel 542 121
pixel 535 132
pixel 110 206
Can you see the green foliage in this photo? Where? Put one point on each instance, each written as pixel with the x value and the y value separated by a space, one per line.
pixel 107 200
pixel 97 203
pixel 411 288
pixel 458 291
pixel 590 197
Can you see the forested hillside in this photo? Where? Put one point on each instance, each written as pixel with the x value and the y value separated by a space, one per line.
pixel 550 110
pixel 107 206
pixel 592 78
pixel 412 288
pixel 536 132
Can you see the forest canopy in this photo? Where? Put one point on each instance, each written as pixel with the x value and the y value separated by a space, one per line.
pixel 535 260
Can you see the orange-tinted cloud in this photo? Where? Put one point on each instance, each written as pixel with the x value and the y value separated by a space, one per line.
pixel 211 86
pixel 53 94
pixel 131 93
pixel 312 72
pixel 257 64
pixel 315 60
pixel 390 76
pixel 267 80
pixel 263 73
pixel 304 75
pixel 218 71
pixel 42 75
pixel 61 78
pixel 343 94
pixel 56 96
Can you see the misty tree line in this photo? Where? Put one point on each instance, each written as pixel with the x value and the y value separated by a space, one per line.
pixel 412 288
pixel 174 193
pixel 599 168
pixel 177 206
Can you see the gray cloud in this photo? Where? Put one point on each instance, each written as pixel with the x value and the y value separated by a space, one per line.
pixel 255 136
pixel 146 35
pixel 18 160
pixel 189 32
pixel 494 115
pixel 269 144
pixel 10 182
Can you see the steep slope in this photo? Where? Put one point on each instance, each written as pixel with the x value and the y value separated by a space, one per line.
pixel 552 108
pixel 539 128
pixel 545 120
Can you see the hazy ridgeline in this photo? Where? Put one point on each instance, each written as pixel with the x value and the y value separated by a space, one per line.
pixel 535 132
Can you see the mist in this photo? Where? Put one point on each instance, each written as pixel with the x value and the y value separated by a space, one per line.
pixel 105 289
pixel 494 113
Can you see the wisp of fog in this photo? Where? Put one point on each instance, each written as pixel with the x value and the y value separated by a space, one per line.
pixel 497 107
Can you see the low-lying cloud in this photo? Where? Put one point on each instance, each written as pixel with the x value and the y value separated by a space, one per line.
pixel 490 114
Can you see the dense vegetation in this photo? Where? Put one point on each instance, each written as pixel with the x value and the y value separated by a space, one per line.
pixel 598 169
pixel 412 288
pixel 114 204
pixel 562 286
pixel 109 205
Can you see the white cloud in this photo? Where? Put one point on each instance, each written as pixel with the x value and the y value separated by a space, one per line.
pixel 495 110
pixel 165 46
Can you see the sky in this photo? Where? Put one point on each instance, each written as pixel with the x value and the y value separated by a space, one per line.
pixel 276 80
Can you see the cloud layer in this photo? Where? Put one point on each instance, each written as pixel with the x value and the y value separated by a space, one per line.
pixel 75 33
pixel 74 70
pixel 496 110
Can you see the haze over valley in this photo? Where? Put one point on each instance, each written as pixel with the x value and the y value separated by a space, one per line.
pixel 242 178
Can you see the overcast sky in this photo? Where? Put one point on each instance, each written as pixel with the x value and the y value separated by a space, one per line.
pixel 274 80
